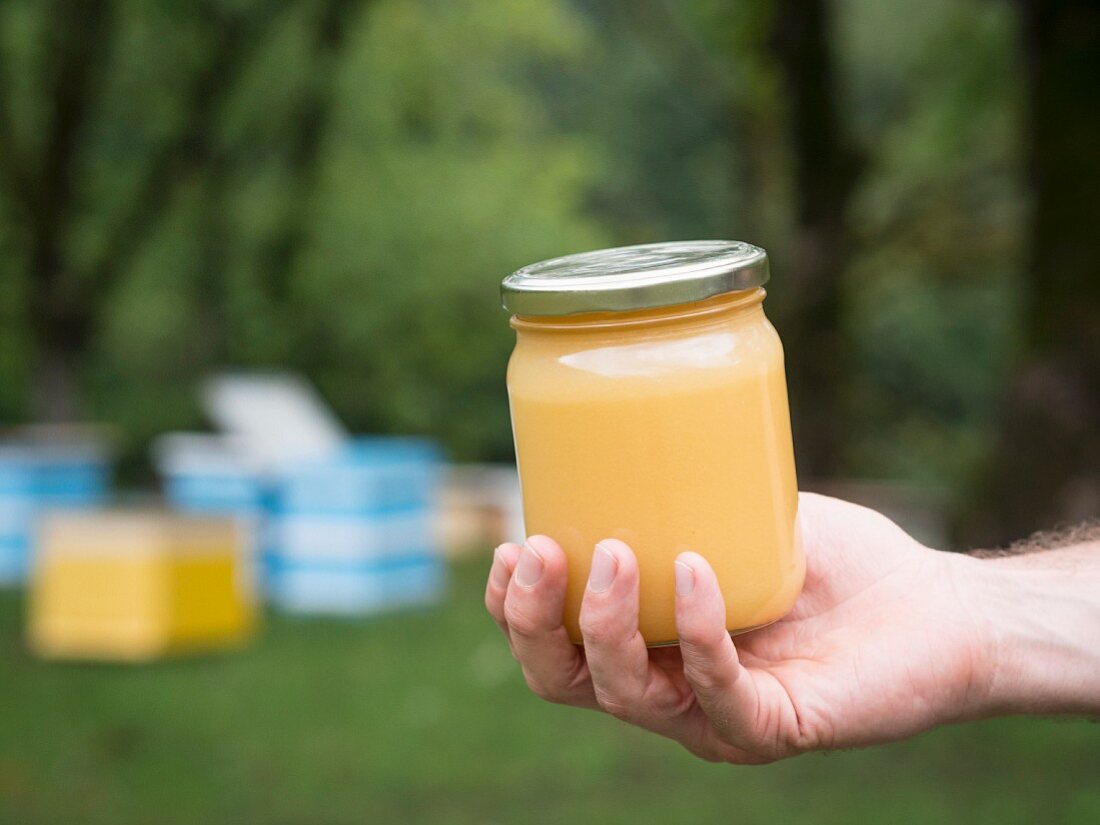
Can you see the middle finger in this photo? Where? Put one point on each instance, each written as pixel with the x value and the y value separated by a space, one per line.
pixel 627 685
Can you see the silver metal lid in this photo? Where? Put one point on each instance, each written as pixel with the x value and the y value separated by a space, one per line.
pixel 634 277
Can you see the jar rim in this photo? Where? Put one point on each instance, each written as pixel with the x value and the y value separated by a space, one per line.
pixel 598 322
pixel 626 278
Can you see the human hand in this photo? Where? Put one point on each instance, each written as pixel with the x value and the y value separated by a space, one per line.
pixel 883 643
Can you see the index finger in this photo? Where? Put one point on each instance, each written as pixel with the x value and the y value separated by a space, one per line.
pixel 554 668
pixel 496 585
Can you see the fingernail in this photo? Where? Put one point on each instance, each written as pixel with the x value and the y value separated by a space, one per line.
pixel 685 579
pixel 529 567
pixel 604 568
pixel 498 573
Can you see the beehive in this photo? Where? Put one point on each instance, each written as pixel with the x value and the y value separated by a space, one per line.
pixel 121 585
pixel 354 534
pixel 42 468
pixel 210 475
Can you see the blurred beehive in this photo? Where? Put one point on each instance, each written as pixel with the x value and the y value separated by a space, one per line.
pixel 208 474
pixel 354 533
pixel 479 507
pixel 42 468
pixel 134 585
pixel 344 525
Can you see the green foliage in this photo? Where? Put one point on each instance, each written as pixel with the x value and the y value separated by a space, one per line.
pixel 363 172
pixel 939 220
pixel 441 176
pixel 438 172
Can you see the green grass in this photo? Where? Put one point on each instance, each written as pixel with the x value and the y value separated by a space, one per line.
pixel 424 718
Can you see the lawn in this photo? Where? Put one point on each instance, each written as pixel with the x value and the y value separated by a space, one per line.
pixel 424 718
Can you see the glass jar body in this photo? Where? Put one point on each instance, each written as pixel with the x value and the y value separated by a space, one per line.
pixel 668 429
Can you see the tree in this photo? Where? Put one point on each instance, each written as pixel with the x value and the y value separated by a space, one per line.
pixel 46 178
pixel 1046 465
pixel 443 171
pixel 45 191
pixel 772 63
pixel 825 171
pixel 290 183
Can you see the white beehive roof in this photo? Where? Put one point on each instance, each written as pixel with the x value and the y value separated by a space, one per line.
pixel 275 418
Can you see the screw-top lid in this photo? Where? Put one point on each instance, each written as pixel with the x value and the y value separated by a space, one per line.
pixel 634 277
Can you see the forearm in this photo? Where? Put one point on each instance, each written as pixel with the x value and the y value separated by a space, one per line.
pixel 1041 628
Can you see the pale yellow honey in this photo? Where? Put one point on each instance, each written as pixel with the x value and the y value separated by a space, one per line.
pixel 668 429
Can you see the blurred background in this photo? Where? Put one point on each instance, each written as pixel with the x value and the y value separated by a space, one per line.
pixel 336 187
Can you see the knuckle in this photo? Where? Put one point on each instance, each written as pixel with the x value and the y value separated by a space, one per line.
pixel 808 735
pixel 754 751
pixel 547 693
pixel 702 678
pixel 710 667
pixel 520 619
pixel 699 637
pixel 536 687
pixel 707 754
pixel 669 703
pixel 595 629
pixel 615 706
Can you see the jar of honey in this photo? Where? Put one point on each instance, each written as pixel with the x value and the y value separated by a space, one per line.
pixel 649 404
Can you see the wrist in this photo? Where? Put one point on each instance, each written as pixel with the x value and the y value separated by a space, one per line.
pixel 1038 631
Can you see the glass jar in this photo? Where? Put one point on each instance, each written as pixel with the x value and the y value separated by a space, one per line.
pixel 649 404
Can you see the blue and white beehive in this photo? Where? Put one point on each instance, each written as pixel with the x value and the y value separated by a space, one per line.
pixel 355 533
pixel 208 474
pixel 344 526
pixel 44 468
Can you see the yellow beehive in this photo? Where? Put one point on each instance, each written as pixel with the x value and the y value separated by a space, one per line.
pixel 138 585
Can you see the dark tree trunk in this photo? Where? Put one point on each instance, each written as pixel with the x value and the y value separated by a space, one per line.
pixel 81 37
pixel 56 389
pixel 825 172
pixel 64 305
pixel 1046 465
